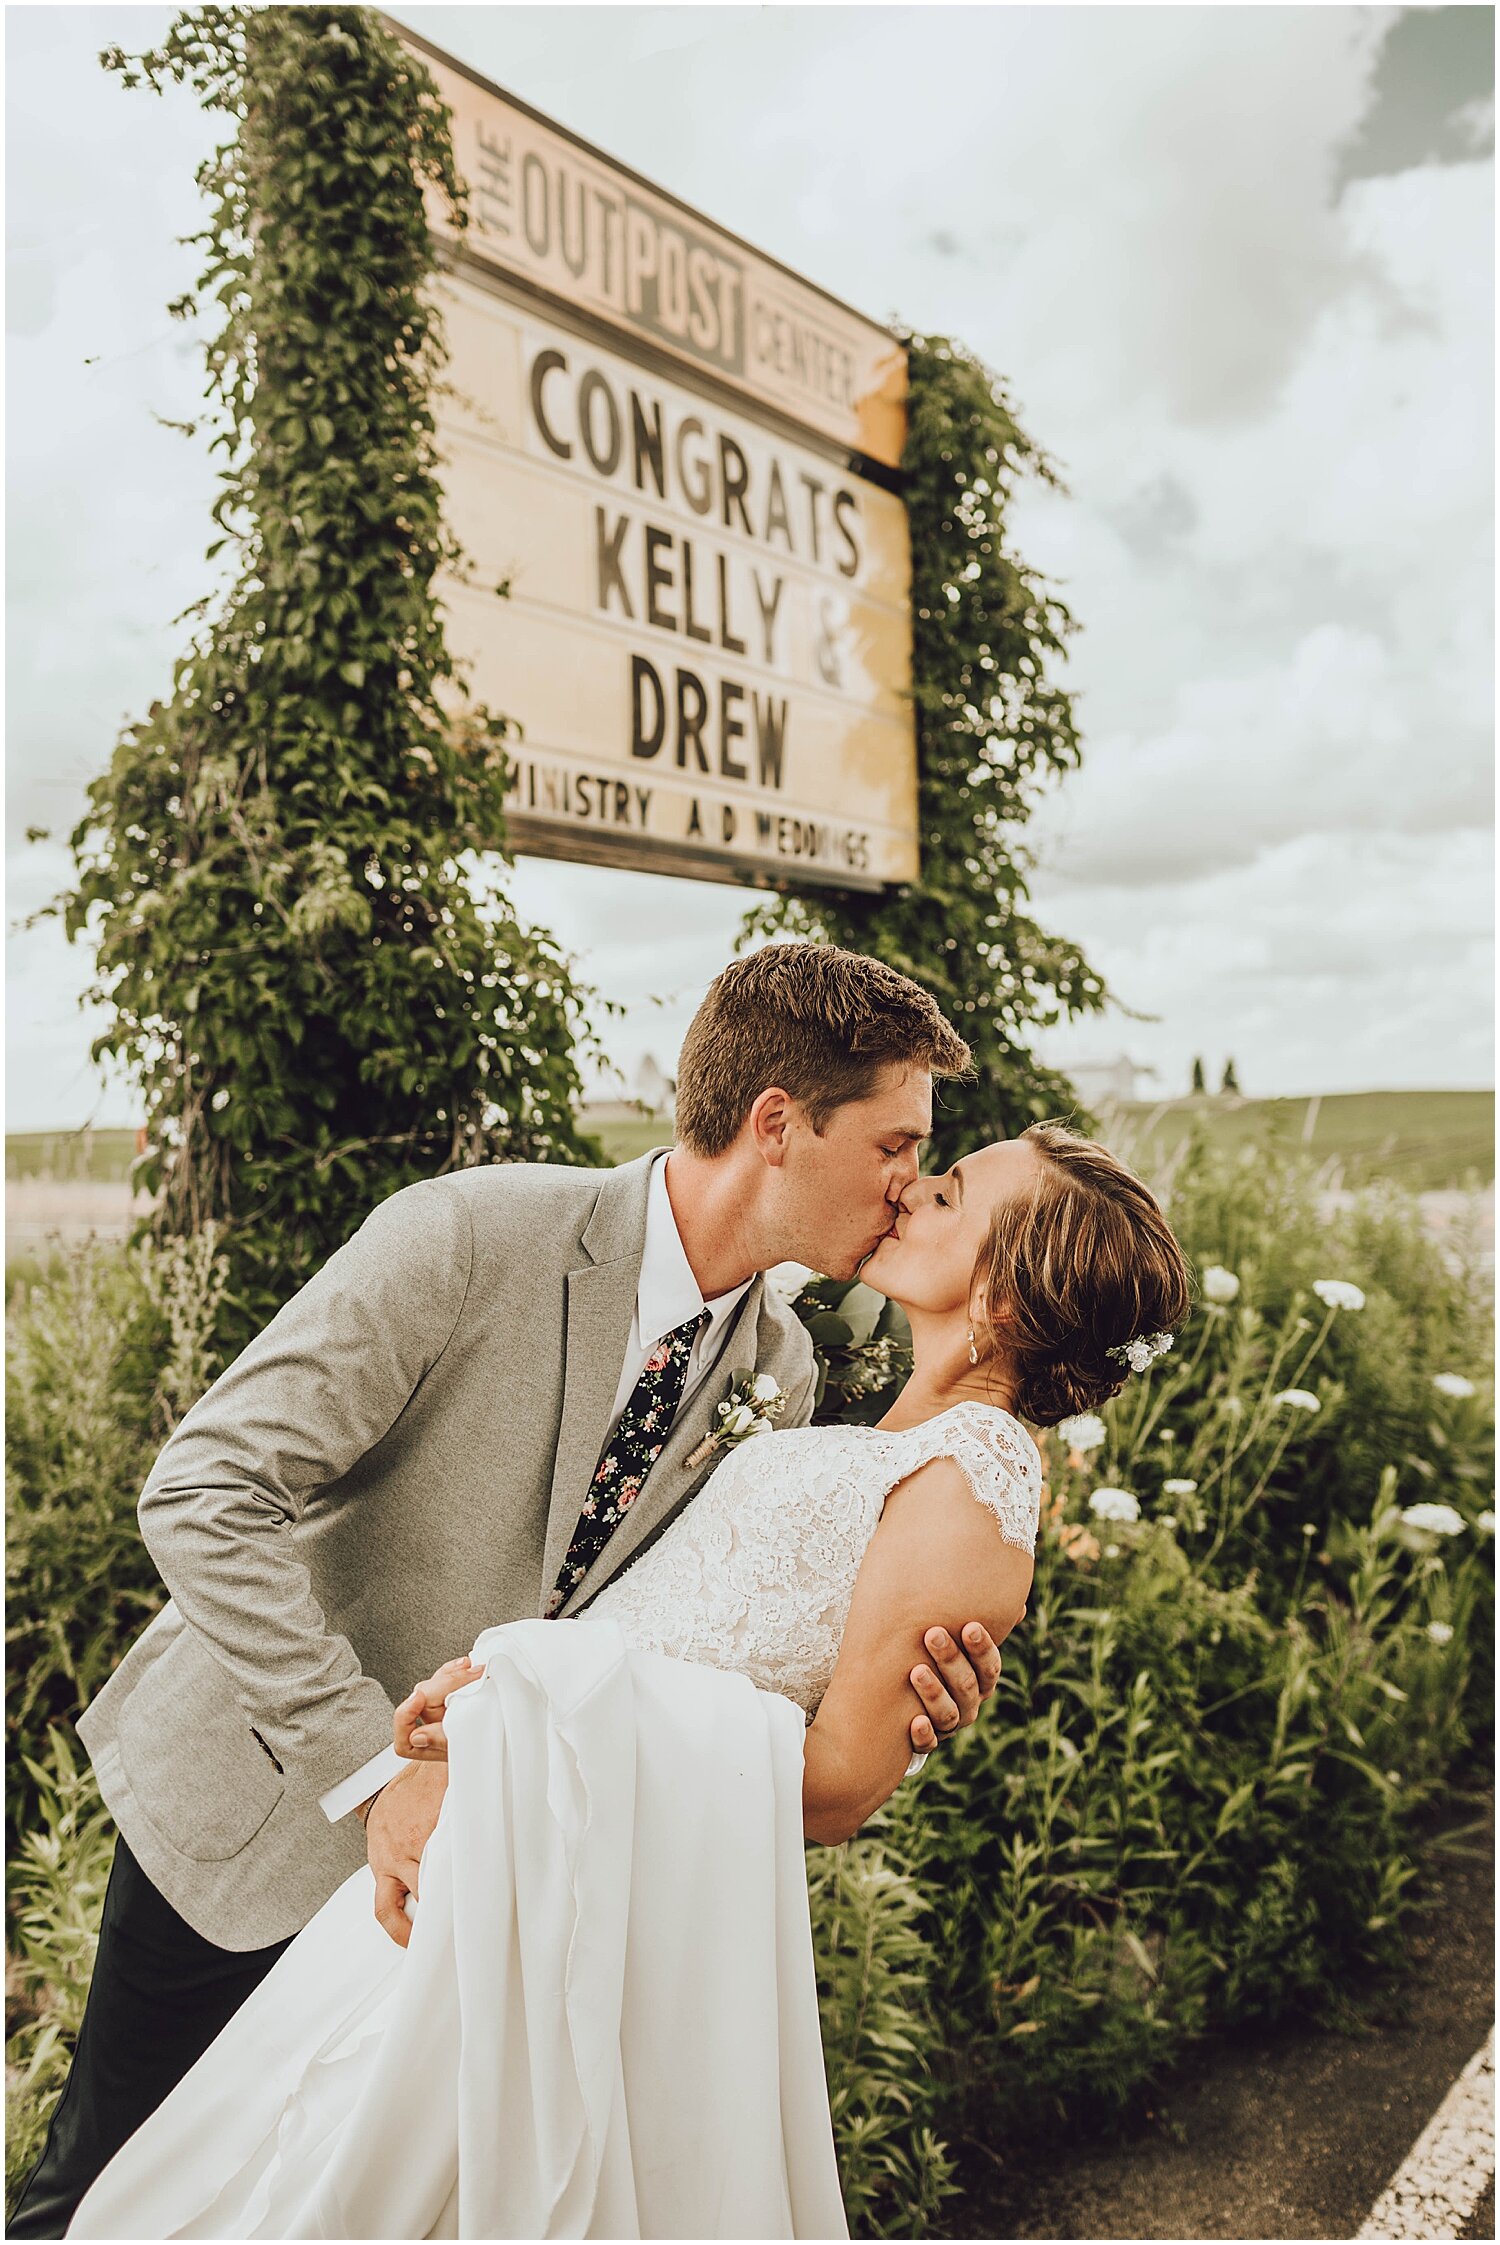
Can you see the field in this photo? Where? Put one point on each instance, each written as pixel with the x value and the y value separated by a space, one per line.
pixel 1429 1141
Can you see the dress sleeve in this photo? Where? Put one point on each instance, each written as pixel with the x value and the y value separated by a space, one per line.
pixel 999 1461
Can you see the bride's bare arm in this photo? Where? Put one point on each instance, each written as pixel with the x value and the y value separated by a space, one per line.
pixel 937 1557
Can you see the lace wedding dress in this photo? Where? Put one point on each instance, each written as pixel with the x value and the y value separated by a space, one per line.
pixel 606 2022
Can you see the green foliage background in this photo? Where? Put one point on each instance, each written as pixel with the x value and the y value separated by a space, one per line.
pixel 289 869
pixel 1198 1796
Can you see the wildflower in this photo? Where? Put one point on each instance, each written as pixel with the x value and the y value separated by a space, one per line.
pixel 1166 1520
pixel 1441 1632
pixel 1437 1519
pixel 1077 1544
pixel 1452 1383
pixel 1338 1294
pixel 1114 1504
pixel 1308 1528
pixel 1393 1777
pixel 1486 1523
pixel 1300 1399
pixel 1178 1488
pixel 1111 1551
pixel 1219 1285
pixel 1083 1433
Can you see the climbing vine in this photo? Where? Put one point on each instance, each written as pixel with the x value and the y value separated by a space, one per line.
pixel 311 970
pixel 993 729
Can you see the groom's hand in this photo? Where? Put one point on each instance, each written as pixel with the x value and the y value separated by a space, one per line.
pixel 956 1684
pixel 397 1829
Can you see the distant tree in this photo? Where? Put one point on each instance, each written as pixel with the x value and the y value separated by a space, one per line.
pixel 1200 1080
pixel 1231 1084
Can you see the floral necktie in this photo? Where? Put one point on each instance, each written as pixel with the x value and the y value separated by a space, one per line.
pixel 629 1454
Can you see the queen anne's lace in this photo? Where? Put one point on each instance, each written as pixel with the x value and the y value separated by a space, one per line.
pixel 758 1571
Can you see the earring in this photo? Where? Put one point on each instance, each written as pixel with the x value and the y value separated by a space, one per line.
pixel 973 1352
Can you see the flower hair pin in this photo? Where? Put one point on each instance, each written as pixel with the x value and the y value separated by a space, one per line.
pixel 753 1401
pixel 1142 1352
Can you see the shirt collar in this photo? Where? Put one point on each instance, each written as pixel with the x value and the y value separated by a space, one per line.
pixel 667 1294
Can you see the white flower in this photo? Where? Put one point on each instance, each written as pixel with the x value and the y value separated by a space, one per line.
pixel 1178 1488
pixel 1111 1551
pixel 764 1387
pixel 1441 1632
pixel 1437 1519
pixel 1166 1520
pixel 1115 1504
pixel 1486 1523
pixel 1338 1294
pixel 1300 1399
pixel 1452 1383
pixel 1220 1285
pixel 1084 1433
pixel 788 1279
pixel 1309 1528
pixel 739 1420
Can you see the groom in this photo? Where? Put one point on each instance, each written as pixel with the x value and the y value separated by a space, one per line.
pixel 401 1460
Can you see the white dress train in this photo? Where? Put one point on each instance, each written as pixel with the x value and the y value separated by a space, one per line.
pixel 606 2022
pixel 629 1832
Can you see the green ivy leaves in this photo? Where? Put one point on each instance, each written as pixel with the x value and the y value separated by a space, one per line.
pixel 318 997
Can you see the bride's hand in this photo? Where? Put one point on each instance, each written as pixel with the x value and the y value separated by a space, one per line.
pixel 419 1732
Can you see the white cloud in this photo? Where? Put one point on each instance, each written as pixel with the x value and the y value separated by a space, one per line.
pixel 1272 408
pixel 1333 962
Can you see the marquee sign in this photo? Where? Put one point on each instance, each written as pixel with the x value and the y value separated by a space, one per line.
pixel 675 457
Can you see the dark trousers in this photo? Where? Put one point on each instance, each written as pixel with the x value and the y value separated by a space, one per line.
pixel 159 1995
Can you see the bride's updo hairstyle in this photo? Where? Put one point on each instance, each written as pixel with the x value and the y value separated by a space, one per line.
pixel 1085 1264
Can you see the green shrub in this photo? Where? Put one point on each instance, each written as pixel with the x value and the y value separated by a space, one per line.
pixel 1194 1800
pixel 875 1970
pixel 105 1353
pixel 56 1892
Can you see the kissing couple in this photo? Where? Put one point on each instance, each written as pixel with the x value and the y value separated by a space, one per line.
pixel 524 1950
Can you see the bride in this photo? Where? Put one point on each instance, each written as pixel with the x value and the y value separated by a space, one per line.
pixel 604 2021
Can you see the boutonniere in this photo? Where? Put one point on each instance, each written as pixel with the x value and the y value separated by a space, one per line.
pixel 753 1401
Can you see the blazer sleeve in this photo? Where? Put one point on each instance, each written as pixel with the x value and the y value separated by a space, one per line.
pixel 325 1380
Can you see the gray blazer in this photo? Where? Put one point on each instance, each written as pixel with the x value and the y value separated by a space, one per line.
pixel 396 1463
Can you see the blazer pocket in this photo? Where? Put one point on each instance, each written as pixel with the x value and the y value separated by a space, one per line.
pixel 197 1770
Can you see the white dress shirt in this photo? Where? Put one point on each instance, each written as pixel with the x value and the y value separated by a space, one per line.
pixel 667 1295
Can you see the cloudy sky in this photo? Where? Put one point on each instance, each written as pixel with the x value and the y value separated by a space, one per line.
pixel 1235 263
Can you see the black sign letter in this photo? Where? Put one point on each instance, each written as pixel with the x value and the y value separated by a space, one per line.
pixel 642 743
pixel 731 728
pixel 611 577
pixel 545 363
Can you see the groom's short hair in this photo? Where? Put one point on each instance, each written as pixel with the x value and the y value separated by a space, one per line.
pixel 819 1022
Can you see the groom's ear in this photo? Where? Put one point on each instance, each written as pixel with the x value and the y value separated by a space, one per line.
pixel 770 1122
